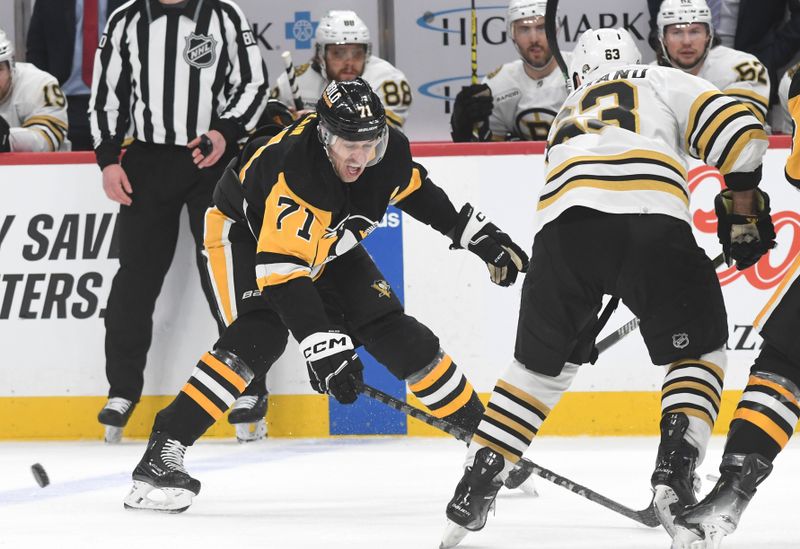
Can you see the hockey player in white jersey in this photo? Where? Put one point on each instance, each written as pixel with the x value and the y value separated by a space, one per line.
pixel 686 34
pixel 780 119
pixel 520 99
pixel 343 52
pixel 33 110
pixel 613 218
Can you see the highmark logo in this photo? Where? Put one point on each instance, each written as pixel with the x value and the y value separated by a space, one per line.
pixel 301 30
pixel 446 89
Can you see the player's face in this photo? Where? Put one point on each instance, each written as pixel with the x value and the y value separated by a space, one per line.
pixel 531 41
pixel 345 61
pixel 686 43
pixel 349 158
pixel 5 79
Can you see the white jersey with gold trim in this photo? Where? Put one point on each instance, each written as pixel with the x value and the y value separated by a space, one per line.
pixel 36 111
pixel 622 141
pixel 524 108
pixel 386 80
pixel 781 120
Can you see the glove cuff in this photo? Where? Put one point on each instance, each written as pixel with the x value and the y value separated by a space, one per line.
pixel 324 344
pixel 470 222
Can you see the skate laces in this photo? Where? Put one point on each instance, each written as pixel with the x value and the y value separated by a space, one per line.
pixel 248 402
pixel 118 404
pixel 172 455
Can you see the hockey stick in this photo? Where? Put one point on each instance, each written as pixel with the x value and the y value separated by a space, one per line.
pixel 550 13
pixel 646 516
pixel 289 65
pixel 473 43
pixel 631 326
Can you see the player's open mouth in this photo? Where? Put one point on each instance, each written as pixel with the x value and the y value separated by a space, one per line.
pixel 352 171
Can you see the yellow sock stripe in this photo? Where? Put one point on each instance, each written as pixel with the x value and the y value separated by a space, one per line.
pixel 699 414
pixel 691 361
pixel 508 422
pixel 433 376
pixel 456 404
pixel 755 380
pixel 223 370
pixel 764 423
pixel 203 401
pixel 710 393
pixel 522 395
pixel 511 458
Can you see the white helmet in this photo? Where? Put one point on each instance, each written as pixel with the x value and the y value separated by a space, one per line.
pixel 600 49
pixel 340 27
pixel 524 9
pixel 6 49
pixel 674 12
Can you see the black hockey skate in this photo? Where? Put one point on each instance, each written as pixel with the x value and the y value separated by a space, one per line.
pixel 718 514
pixel 161 468
pixel 474 497
pixel 114 416
pixel 674 479
pixel 248 416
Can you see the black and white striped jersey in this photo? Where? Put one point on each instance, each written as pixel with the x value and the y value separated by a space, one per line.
pixel 166 74
pixel 622 142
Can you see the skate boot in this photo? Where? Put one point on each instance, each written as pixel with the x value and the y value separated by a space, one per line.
pixel 161 470
pixel 474 497
pixel 521 476
pixel 719 513
pixel 674 479
pixel 114 416
pixel 248 416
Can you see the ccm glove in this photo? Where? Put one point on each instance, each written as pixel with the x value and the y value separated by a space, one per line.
pixel 5 137
pixel 333 365
pixel 744 238
pixel 503 257
pixel 471 110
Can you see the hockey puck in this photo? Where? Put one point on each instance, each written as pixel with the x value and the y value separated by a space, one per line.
pixel 206 146
pixel 40 475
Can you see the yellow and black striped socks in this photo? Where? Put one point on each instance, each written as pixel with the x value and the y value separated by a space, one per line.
pixel 766 416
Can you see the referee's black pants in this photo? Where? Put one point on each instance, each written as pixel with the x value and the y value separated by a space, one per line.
pixel 163 178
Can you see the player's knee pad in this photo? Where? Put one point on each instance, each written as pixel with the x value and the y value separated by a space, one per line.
pixel 258 338
pixel 399 342
pixel 693 386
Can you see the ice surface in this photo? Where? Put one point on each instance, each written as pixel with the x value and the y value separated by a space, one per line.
pixel 385 493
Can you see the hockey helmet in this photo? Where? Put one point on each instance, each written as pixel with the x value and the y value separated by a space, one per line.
pixel 340 27
pixel 353 112
pixel 676 12
pixel 6 49
pixel 600 49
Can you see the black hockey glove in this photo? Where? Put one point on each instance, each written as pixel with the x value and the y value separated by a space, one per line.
pixel 471 110
pixel 503 257
pixel 744 238
pixel 333 365
pixel 5 136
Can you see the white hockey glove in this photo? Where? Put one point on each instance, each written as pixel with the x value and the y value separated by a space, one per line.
pixel 333 365
pixel 477 234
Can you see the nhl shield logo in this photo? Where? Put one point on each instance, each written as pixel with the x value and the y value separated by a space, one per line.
pixel 200 50
pixel 383 288
pixel 680 341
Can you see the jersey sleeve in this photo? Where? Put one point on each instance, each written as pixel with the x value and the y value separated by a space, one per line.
pixel 751 86
pixel 715 128
pixel 502 112
pixel 395 93
pixel 426 202
pixel 282 92
pixel 43 128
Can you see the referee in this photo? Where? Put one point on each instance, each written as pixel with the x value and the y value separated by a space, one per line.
pixel 185 80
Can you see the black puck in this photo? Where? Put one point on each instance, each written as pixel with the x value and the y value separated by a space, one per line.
pixel 40 475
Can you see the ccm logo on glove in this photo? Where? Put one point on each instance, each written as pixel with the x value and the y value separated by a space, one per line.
pixel 332 345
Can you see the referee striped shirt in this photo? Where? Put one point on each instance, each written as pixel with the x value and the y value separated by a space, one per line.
pixel 166 74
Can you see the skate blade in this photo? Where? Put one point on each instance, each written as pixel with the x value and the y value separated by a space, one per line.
pixel 171 500
pixel 687 539
pixel 113 434
pixel 249 432
pixel 453 534
pixel 663 499
pixel 715 533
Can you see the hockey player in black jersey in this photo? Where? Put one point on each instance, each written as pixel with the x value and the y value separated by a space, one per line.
pixel 769 409
pixel 283 246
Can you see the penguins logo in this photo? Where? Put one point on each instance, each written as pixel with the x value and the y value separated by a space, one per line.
pixel 383 288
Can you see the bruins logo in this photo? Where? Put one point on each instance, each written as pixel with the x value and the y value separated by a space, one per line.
pixel 383 288
pixel 298 71
pixel 494 72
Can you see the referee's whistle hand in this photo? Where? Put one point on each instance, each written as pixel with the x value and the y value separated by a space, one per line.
pixel 116 184
pixel 218 148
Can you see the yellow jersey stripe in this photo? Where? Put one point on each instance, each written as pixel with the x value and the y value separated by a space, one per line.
pixel 413 185
pixel 741 143
pixel 617 186
pixel 631 155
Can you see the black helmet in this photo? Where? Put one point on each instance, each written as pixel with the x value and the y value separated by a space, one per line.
pixel 352 111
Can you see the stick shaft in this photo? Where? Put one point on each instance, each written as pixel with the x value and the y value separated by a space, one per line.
pixel 289 66
pixel 474 43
